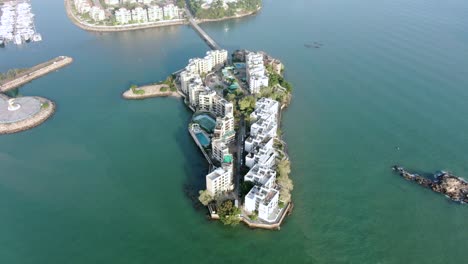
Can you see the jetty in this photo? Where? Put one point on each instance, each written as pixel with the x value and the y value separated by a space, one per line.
pixel 453 187
pixel 34 72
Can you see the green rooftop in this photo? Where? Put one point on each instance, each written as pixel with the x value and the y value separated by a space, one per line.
pixel 227 158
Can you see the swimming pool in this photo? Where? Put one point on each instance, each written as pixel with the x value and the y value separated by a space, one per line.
pixel 206 122
pixel 239 65
pixel 203 139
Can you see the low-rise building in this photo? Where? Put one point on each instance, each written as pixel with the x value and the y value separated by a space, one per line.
pixel 112 2
pixel 140 15
pixel 262 176
pixel 265 201
pixel 97 14
pixel 123 16
pixel 171 12
pixel 155 13
pixel 82 6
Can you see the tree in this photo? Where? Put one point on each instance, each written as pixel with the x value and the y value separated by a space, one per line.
pixel 228 213
pixel 247 104
pixel 205 197
pixel 245 188
pixel 230 97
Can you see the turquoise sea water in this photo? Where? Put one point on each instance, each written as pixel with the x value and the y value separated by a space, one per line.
pixel 105 180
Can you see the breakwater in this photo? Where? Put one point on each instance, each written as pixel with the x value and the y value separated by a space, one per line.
pixel 35 72
pixel 445 183
pixel 47 109
pixel 149 91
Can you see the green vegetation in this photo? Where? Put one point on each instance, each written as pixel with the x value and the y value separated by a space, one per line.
pixel 204 197
pixel 45 105
pixel 217 10
pixel 11 74
pixel 180 3
pixel 247 104
pixel 283 169
pixel 135 90
pixel 163 89
pixel 169 82
pixel 254 216
pixel 228 213
pixel 245 188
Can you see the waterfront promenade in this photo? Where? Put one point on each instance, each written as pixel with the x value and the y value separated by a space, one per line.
pixel 35 72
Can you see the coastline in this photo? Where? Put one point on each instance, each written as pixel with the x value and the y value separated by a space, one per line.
pixel 150 91
pixel 90 27
pixel 207 20
pixel 31 122
pixel 121 28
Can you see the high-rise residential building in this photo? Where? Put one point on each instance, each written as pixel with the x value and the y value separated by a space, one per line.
pixel 219 149
pixel 206 100
pixel 224 129
pixel 256 73
pixel 82 6
pixel 218 57
pixel 187 77
pixel 221 179
pixel 262 176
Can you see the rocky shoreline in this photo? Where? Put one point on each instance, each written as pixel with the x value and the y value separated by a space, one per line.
pixel 34 121
pixel 451 186
pixel 149 91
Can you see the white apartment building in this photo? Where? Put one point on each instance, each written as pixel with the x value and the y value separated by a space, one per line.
pixel 187 77
pixel 219 149
pixel 123 16
pixel 261 175
pixel 220 180
pixel 199 65
pixel 206 100
pixel 264 107
pixel 264 155
pixel 82 6
pixel 171 11
pixel 97 14
pixel 155 13
pixel 129 1
pixel 218 57
pixel 223 107
pixel 256 73
pixel 224 129
pixel 194 90
pixel 146 2
pixel 140 14
pixel 265 201
pixel 112 2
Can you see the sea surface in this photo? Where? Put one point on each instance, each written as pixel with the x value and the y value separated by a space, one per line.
pixel 106 180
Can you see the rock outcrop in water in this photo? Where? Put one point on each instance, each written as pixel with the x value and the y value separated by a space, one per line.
pixel 453 187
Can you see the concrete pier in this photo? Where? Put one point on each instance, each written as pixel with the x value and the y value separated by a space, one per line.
pixel 35 72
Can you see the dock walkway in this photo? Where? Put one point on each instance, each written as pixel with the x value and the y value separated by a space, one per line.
pixel 208 40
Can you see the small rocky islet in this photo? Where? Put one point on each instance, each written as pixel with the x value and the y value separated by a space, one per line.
pixel 451 186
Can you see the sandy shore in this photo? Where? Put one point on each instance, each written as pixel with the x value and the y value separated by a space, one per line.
pixel 31 122
pixel 150 91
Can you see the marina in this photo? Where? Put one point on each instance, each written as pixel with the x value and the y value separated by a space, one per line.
pixel 17 23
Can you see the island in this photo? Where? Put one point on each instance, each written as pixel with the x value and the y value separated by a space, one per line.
pixel 453 187
pixel 116 15
pixel 237 102
pixel 161 89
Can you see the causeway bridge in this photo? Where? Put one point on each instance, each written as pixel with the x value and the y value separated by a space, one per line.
pixel 208 40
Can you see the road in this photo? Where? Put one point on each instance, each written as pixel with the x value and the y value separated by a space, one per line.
pixel 240 152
